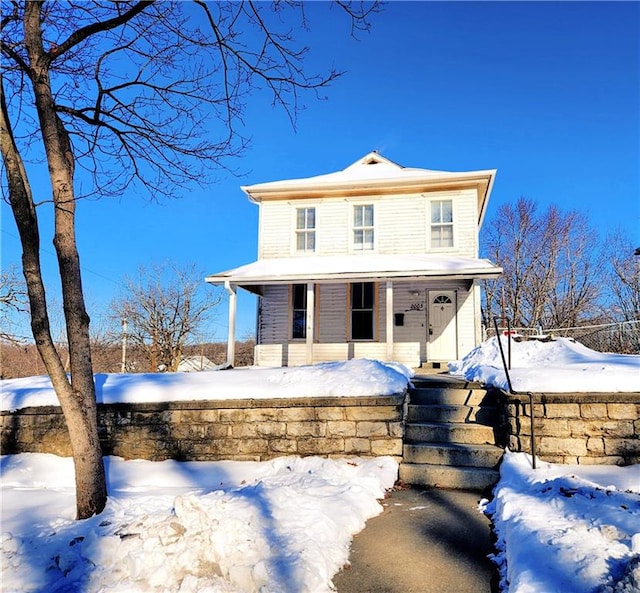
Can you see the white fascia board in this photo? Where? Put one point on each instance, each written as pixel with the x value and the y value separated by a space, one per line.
pixel 414 181
pixel 484 200
pixel 336 278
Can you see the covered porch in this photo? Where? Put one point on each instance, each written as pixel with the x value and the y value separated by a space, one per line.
pixel 409 309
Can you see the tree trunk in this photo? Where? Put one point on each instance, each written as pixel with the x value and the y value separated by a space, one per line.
pixel 77 395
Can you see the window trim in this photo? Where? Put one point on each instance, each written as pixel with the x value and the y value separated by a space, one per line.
pixel 316 312
pixel 353 245
pixel 433 225
pixel 374 313
pixel 292 311
pixel 305 231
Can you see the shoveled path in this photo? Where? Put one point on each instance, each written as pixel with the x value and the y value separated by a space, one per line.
pixel 425 541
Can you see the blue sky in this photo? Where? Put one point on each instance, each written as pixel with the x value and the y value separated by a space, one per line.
pixel 547 93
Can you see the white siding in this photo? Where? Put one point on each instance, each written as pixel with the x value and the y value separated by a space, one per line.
pixel 273 321
pixel 276 230
pixel 332 320
pixel 268 355
pixel 466 322
pixel 330 352
pixel 466 223
pixel 333 234
pixel 410 339
pixel 402 224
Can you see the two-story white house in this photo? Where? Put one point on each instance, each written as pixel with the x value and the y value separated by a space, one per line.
pixel 376 261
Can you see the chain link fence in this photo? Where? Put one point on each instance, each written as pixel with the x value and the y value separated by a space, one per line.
pixel 622 337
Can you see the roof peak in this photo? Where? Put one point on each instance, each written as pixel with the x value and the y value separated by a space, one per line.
pixel 373 158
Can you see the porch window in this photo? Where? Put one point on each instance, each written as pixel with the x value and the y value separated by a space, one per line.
pixel 305 229
pixel 299 308
pixel 363 227
pixel 362 310
pixel 441 224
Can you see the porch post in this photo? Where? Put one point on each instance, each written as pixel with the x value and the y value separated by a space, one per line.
pixel 389 302
pixel 309 322
pixel 231 335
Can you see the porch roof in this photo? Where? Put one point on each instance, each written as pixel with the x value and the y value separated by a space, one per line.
pixel 350 268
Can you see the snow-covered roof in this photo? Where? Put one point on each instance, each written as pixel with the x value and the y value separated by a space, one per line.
pixel 374 174
pixel 190 364
pixel 346 268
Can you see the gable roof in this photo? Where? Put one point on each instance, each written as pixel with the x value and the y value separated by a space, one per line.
pixel 374 174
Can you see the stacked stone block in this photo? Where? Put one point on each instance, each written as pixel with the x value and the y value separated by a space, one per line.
pixel 577 428
pixel 249 429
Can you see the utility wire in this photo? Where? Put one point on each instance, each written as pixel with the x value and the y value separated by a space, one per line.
pixel 83 268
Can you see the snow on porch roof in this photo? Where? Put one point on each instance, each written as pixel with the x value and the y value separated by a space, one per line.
pixel 346 268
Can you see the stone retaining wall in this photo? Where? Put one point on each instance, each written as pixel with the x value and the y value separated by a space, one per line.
pixel 246 429
pixel 583 428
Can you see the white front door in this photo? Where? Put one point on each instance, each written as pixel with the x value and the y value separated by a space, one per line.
pixel 442 326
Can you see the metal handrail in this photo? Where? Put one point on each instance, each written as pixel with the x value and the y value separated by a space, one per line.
pixel 507 368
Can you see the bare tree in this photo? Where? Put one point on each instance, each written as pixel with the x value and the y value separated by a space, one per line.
pixel 623 278
pixel 105 346
pixel 13 297
pixel 165 307
pixel 551 266
pixel 122 91
pixel 13 301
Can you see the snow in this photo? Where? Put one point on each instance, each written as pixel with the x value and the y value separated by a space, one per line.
pixel 566 529
pixel 361 265
pixel 558 366
pixel 372 167
pixel 282 526
pixel 358 172
pixel 286 525
pixel 352 378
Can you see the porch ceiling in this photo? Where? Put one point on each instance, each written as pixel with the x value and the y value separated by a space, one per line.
pixel 350 268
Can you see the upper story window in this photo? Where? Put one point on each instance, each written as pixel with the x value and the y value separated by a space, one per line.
pixel 363 227
pixel 441 223
pixel 305 229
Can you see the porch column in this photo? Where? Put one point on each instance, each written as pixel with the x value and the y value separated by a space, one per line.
pixel 231 335
pixel 310 311
pixel 389 301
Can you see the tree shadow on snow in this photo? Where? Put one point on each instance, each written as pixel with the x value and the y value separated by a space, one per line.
pixel 590 508
pixel 282 562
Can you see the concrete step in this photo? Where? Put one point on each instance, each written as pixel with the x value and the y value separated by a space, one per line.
pixel 450 396
pixel 444 380
pixel 455 454
pixel 441 476
pixel 454 432
pixel 447 413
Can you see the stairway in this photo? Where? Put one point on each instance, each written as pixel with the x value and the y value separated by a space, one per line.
pixel 452 435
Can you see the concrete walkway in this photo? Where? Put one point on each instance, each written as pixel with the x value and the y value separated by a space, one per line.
pixel 425 541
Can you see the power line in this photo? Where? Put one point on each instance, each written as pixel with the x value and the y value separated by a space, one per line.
pixel 83 268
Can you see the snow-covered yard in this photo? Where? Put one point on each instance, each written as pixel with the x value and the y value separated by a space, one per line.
pixel 558 366
pixel 282 526
pixel 286 525
pixel 566 529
